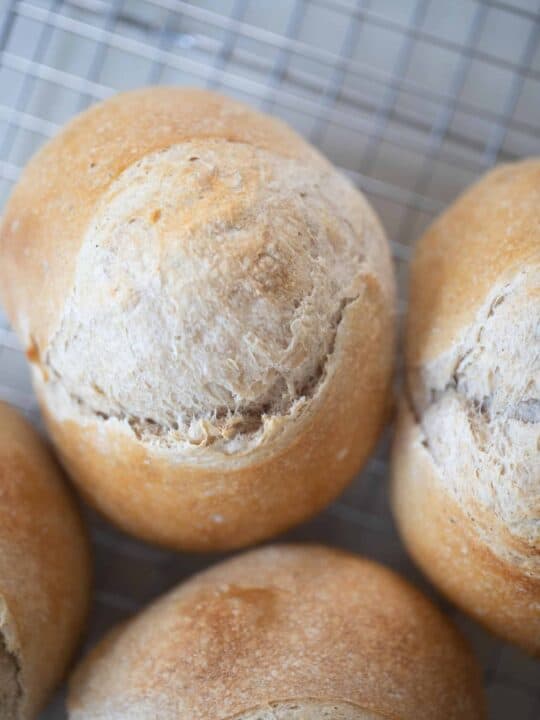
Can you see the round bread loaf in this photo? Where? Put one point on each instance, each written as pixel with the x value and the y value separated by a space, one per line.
pixel 466 464
pixel 288 633
pixel 44 570
pixel 213 341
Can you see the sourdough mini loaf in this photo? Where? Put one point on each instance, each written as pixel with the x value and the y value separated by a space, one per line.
pixel 288 632
pixel 466 463
pixel 208 308
pixel 44 570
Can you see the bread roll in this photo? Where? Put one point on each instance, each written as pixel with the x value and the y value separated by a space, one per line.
pixel 213 344
pixel 466 465
pixel 44 570
pixel 288 632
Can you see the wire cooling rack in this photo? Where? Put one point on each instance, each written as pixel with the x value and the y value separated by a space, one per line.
pixel 413 99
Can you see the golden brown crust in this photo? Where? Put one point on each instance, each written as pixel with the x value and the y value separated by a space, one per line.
pixel 466 478
pixel 44 563
pixel 443 540
pixel 489 231
pixel 308 455
pixel 283 625
pixel 204 508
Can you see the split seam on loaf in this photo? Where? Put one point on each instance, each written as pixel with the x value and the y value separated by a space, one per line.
pixel 11 692
pixel 478 408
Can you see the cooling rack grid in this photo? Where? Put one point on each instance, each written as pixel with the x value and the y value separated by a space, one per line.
pixel 413 99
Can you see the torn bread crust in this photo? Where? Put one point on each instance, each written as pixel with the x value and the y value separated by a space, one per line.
pixel 254 422
pixel 11 693
pixel 309 709
pixel 236 439
pixel 213 321
pixel 478 408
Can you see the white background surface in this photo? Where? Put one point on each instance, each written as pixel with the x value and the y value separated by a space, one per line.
pixel 413 98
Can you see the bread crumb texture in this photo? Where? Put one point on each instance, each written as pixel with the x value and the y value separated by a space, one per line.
pixel 10 691
pixel 208 292
pixel 479 409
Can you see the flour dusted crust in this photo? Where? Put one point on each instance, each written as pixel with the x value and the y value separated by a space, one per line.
pixel 210 282
pixel 283 633
pixel 470 428
pixel 216 319
pixel 44 570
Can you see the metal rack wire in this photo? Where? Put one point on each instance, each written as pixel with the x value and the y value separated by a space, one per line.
pixel 413 99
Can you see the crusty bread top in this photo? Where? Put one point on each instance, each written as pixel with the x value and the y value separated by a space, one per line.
pixel 44 568
pixel 195 259
pixel 48 214
pixel 488 234
pixel 223 310
pixel 473 356
pixel 304 626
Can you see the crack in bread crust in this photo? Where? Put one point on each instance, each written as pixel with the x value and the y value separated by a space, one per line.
pixel 249 420
pixel 208 294
pixel 479 411
pixel 10 682
pixel 309 709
